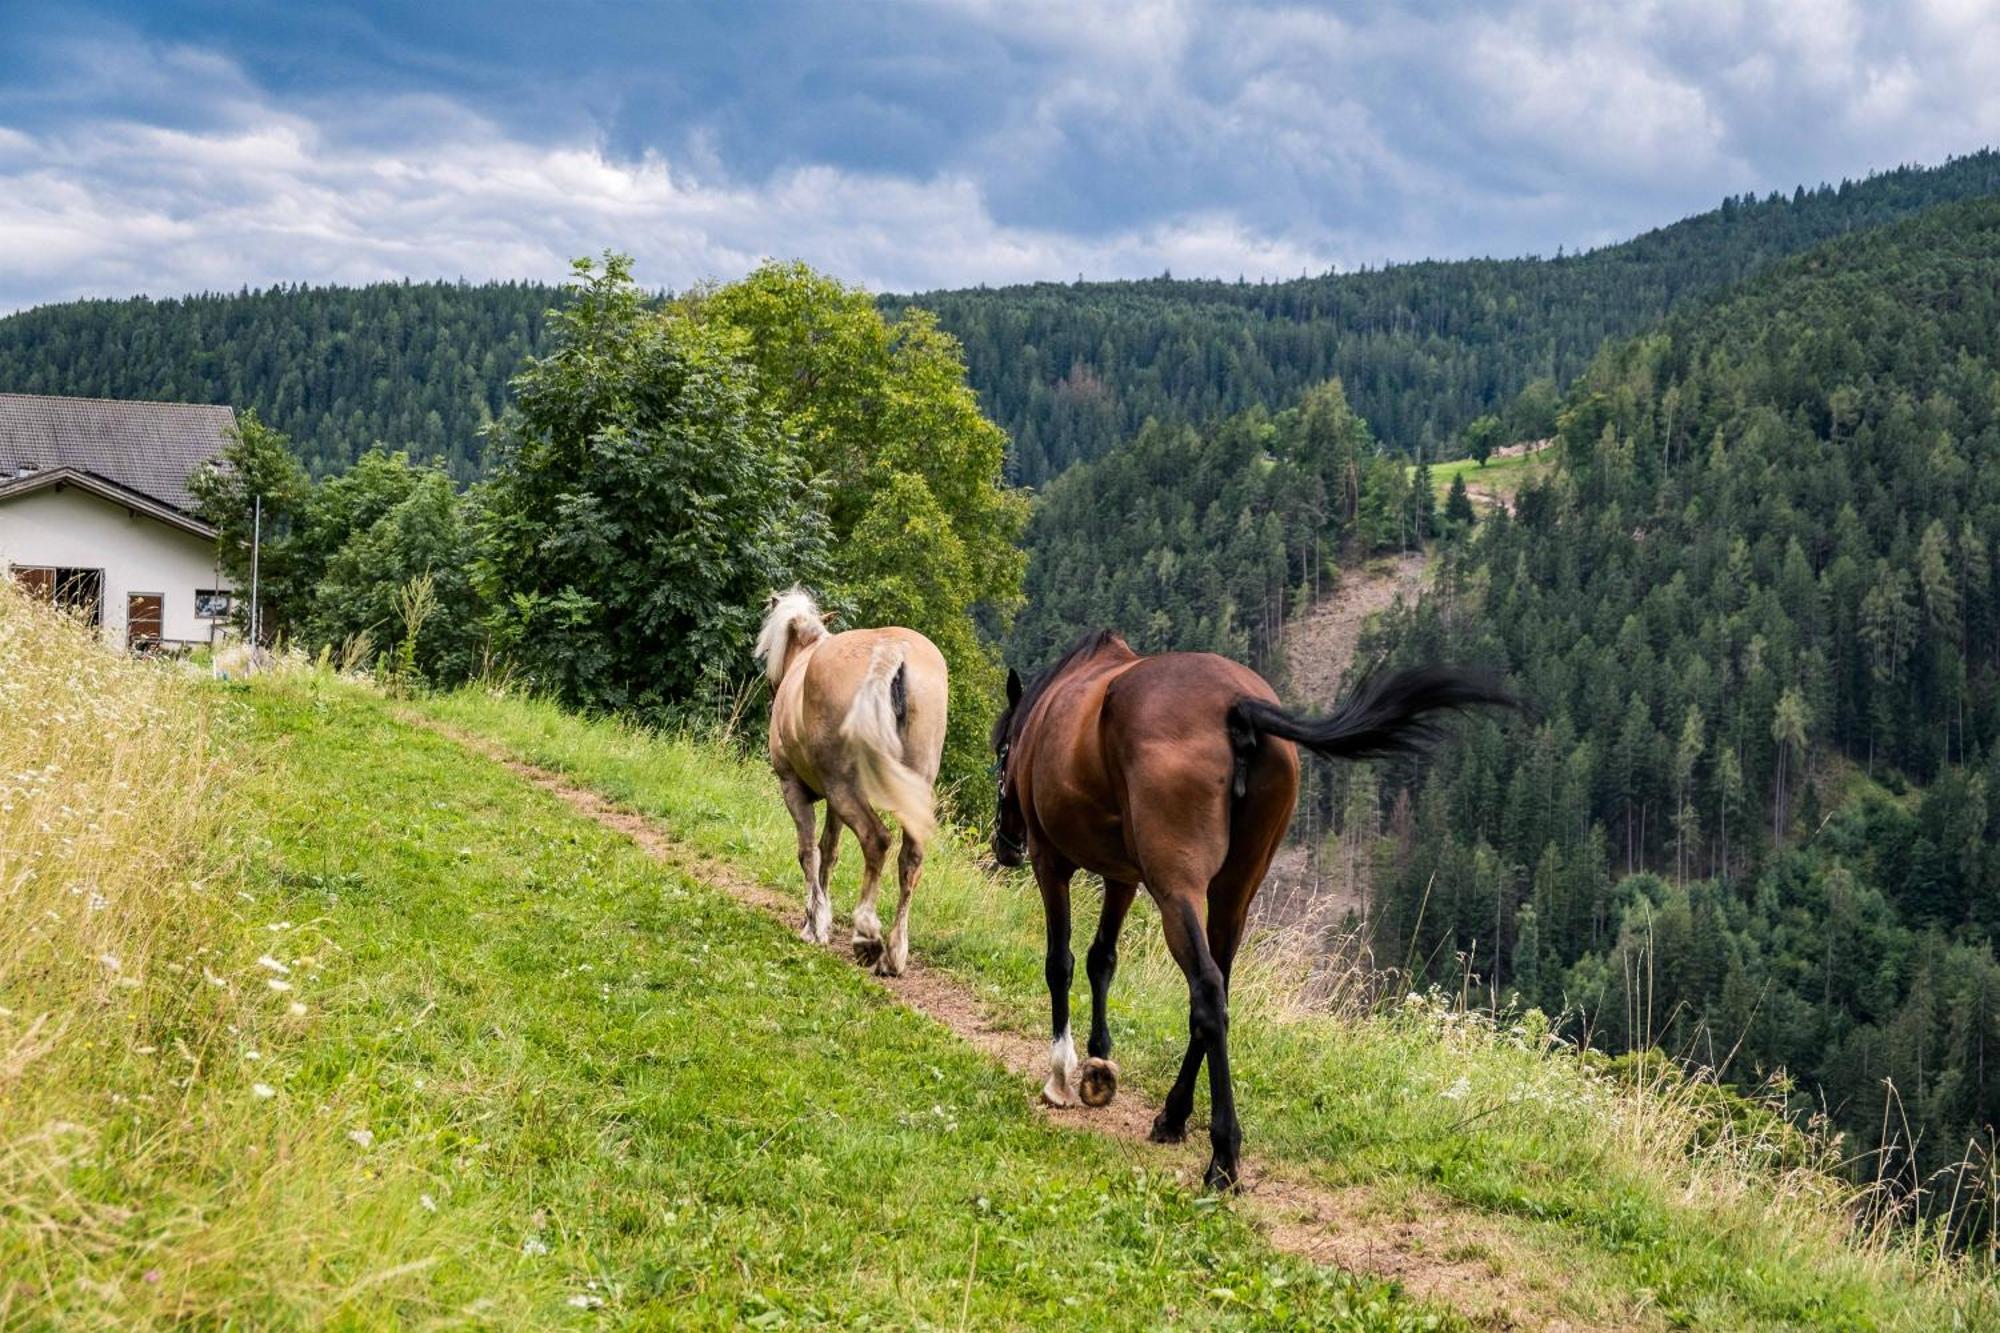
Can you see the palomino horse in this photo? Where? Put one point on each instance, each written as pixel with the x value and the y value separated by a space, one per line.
pixel 1178 772
pixel 857 720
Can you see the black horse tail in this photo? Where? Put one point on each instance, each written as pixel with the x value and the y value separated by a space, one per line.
pixel 1392 714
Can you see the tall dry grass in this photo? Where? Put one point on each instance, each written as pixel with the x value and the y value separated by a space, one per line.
pixel 155 1164
pixel 109 806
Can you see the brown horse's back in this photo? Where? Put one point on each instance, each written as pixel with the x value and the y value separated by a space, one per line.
pixel 1168 722
pixel 1132 773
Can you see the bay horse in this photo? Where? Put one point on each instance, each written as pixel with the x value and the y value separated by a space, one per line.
pixel 1178 771
pixel 857 720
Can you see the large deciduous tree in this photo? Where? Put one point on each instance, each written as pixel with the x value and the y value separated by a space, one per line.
pixel 921 526
pixel 646 499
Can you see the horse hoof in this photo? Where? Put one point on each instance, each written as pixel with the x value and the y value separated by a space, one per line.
pixel 1222 1179
pixel 1167 1133
pixel 867 952
pixel 1098 1083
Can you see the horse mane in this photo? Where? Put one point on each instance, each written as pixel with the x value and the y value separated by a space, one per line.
pixel 1088 645
pixel 793 621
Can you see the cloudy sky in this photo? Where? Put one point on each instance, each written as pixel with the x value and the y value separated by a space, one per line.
pixel 171 147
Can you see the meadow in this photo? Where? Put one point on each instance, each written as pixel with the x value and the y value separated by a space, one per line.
pixel 310 1015
pixel 383 1036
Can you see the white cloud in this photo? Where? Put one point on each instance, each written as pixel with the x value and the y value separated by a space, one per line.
pixel 1111 140
pixel 118 208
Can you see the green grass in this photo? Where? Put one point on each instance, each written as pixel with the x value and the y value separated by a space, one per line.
pixel 538 1079
pixel 1626 1200
pixel 1503 476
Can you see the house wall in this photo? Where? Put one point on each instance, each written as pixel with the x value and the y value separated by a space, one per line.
pixel 70 528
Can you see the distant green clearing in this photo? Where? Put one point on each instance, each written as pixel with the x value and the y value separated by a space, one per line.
pixel 1503 476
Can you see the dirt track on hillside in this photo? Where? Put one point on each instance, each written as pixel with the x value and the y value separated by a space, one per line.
pixel 1435 1251
pixel 1320 644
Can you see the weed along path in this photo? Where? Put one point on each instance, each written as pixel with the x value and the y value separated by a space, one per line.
pixel 1435 1252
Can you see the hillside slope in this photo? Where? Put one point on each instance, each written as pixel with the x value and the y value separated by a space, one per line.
pixel 1588 1199
pixel 417 1042
pixel 378 1035
pixel 1760 597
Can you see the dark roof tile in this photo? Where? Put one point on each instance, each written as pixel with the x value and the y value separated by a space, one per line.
pixel 152 448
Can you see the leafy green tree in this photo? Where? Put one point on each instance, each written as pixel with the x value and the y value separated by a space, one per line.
pixel 646 499
pixel 1482 437
pixel 922 529
pixel 257 464
pixel 381 527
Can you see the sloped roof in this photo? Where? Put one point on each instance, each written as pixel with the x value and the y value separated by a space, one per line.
pixel 150 448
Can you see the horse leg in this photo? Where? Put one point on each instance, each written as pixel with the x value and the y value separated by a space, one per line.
pixel 1170 1125
pixel 829 850
pixel 873 835
pixel 1058 966
pixel 1208 1035
pixel 818 925
pixel 1100 1076
pixel 909 864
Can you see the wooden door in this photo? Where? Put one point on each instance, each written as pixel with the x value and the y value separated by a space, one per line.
pixel 142 620
pixel 37 582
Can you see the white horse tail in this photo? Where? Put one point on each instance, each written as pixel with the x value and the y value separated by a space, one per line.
pixel 874 728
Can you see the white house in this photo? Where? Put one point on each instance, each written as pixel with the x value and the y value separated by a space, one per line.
pixel 95 513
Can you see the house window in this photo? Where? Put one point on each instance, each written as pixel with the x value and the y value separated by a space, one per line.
pixel 36 581
pixel 80 591
pixel 143 617
pixel 211 603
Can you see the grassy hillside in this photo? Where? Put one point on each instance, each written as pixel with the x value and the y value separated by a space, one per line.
pixel 379 1036
pixel 372 1031
pixel 1622 1201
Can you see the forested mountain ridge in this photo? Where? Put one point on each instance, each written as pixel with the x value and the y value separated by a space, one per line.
pixel 1070 369
pixel 420 367
pixel 1757 604
pixel 1067 370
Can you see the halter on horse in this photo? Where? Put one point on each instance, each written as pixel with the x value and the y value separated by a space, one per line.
pixel 1177 771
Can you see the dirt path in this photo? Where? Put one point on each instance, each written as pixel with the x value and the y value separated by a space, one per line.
pixel 1436 1251
pixel 1320 644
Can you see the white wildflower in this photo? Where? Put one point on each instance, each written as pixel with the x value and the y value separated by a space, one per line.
pixel 273 964
pixel 430 1205
pixel 534 1245
pixel 296 1010
pixel 98 902
pixel 1458 1091
pixel 110 962
pixel 364 1137
pixel 263 1092
pixel 276 984
pixel 586 1302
